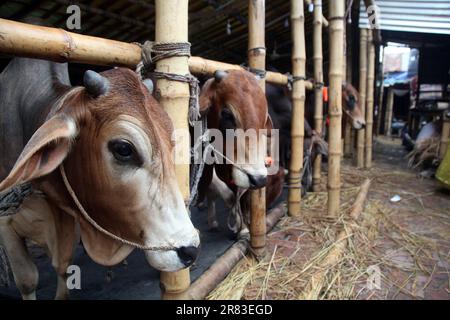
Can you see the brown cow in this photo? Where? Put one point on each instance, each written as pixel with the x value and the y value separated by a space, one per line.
pixel 114 142
pixel 233 100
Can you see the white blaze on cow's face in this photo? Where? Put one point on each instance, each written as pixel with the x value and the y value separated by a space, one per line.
pixel 153 199
pixel 250 154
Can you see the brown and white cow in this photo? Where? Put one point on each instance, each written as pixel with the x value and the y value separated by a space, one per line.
pixel 114 141
pixel 233 100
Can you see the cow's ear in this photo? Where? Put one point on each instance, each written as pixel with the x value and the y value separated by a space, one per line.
pixel 207 96
pixel 44 152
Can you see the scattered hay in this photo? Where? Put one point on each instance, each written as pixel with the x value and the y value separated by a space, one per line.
pixel 424 152
pixel 381 240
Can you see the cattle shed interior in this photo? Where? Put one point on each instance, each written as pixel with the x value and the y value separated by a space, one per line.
pixel 367 219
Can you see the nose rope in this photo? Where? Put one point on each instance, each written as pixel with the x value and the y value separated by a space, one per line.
pixel 100 228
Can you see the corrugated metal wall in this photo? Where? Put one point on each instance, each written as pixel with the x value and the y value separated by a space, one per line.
pixel 432 16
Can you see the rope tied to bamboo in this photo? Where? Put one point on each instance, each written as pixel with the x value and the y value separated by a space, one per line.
pixel 260 73
pixel 291 79
pixel 153 52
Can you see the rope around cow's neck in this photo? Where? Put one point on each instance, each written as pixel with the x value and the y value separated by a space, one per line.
pixel 100 228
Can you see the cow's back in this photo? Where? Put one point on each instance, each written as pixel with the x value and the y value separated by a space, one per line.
pixel 28 89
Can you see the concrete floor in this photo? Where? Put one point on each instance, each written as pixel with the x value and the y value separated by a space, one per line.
pixel 136 279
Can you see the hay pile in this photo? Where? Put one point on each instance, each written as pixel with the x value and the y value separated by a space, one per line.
pixel 425 153
pixel 298 247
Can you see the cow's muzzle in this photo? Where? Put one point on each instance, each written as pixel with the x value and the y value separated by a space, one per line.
pixel 257 181
pixel 188 255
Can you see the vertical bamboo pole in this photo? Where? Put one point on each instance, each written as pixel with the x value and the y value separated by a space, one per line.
pixel 362 94
pixel 172 26
pixel 389 109
pixel 369 101
pixel 257 60
pixel 298 105
pixel 337 8
pixel 445 137
pixel 381 97
pixel 344 141
pixel 318 93
pixel 349 131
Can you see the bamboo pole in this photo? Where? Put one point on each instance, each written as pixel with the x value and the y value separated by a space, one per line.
pixel 362 95
pixel 445 137
pixel 211 278
pixel 324 20
pixel 298 106
pixel 315 284
pixel 257 60
pixel 318 93
pixel 389 110
pixel 381 96
pixel 346 129
pixel 171 25
pixel 337 8
pixel 369 101
pixel 26 40
pixel 348 141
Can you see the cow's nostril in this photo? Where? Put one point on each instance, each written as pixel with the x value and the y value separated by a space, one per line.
pixel 187 255
pixel 257 181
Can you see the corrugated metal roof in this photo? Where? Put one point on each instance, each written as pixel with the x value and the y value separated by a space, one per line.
pixel 432 16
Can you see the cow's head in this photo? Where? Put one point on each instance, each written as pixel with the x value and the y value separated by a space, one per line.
pixel 352 107
pixel 114 141
pixel 235 101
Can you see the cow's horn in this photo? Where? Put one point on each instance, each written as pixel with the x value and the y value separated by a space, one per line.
pixel 148 83
pixel 219 75
pixel 95 84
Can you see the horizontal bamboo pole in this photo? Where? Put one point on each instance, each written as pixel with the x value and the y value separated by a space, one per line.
pixel 26 40
pixel 315 284
pixel 223 266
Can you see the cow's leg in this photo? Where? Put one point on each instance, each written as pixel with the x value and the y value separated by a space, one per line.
pixel 25 272
pixel 52 230
pixel 213 224
pixel 62 249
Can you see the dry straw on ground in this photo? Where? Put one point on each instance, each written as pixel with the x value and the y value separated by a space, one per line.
pixel 378 240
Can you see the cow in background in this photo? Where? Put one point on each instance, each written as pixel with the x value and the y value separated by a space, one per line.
pixel 111 140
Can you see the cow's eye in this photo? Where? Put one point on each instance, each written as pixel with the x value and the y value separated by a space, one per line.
pixel 124 152
pixel 227 120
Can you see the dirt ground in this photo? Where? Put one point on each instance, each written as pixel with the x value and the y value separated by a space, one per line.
pixel 396 250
